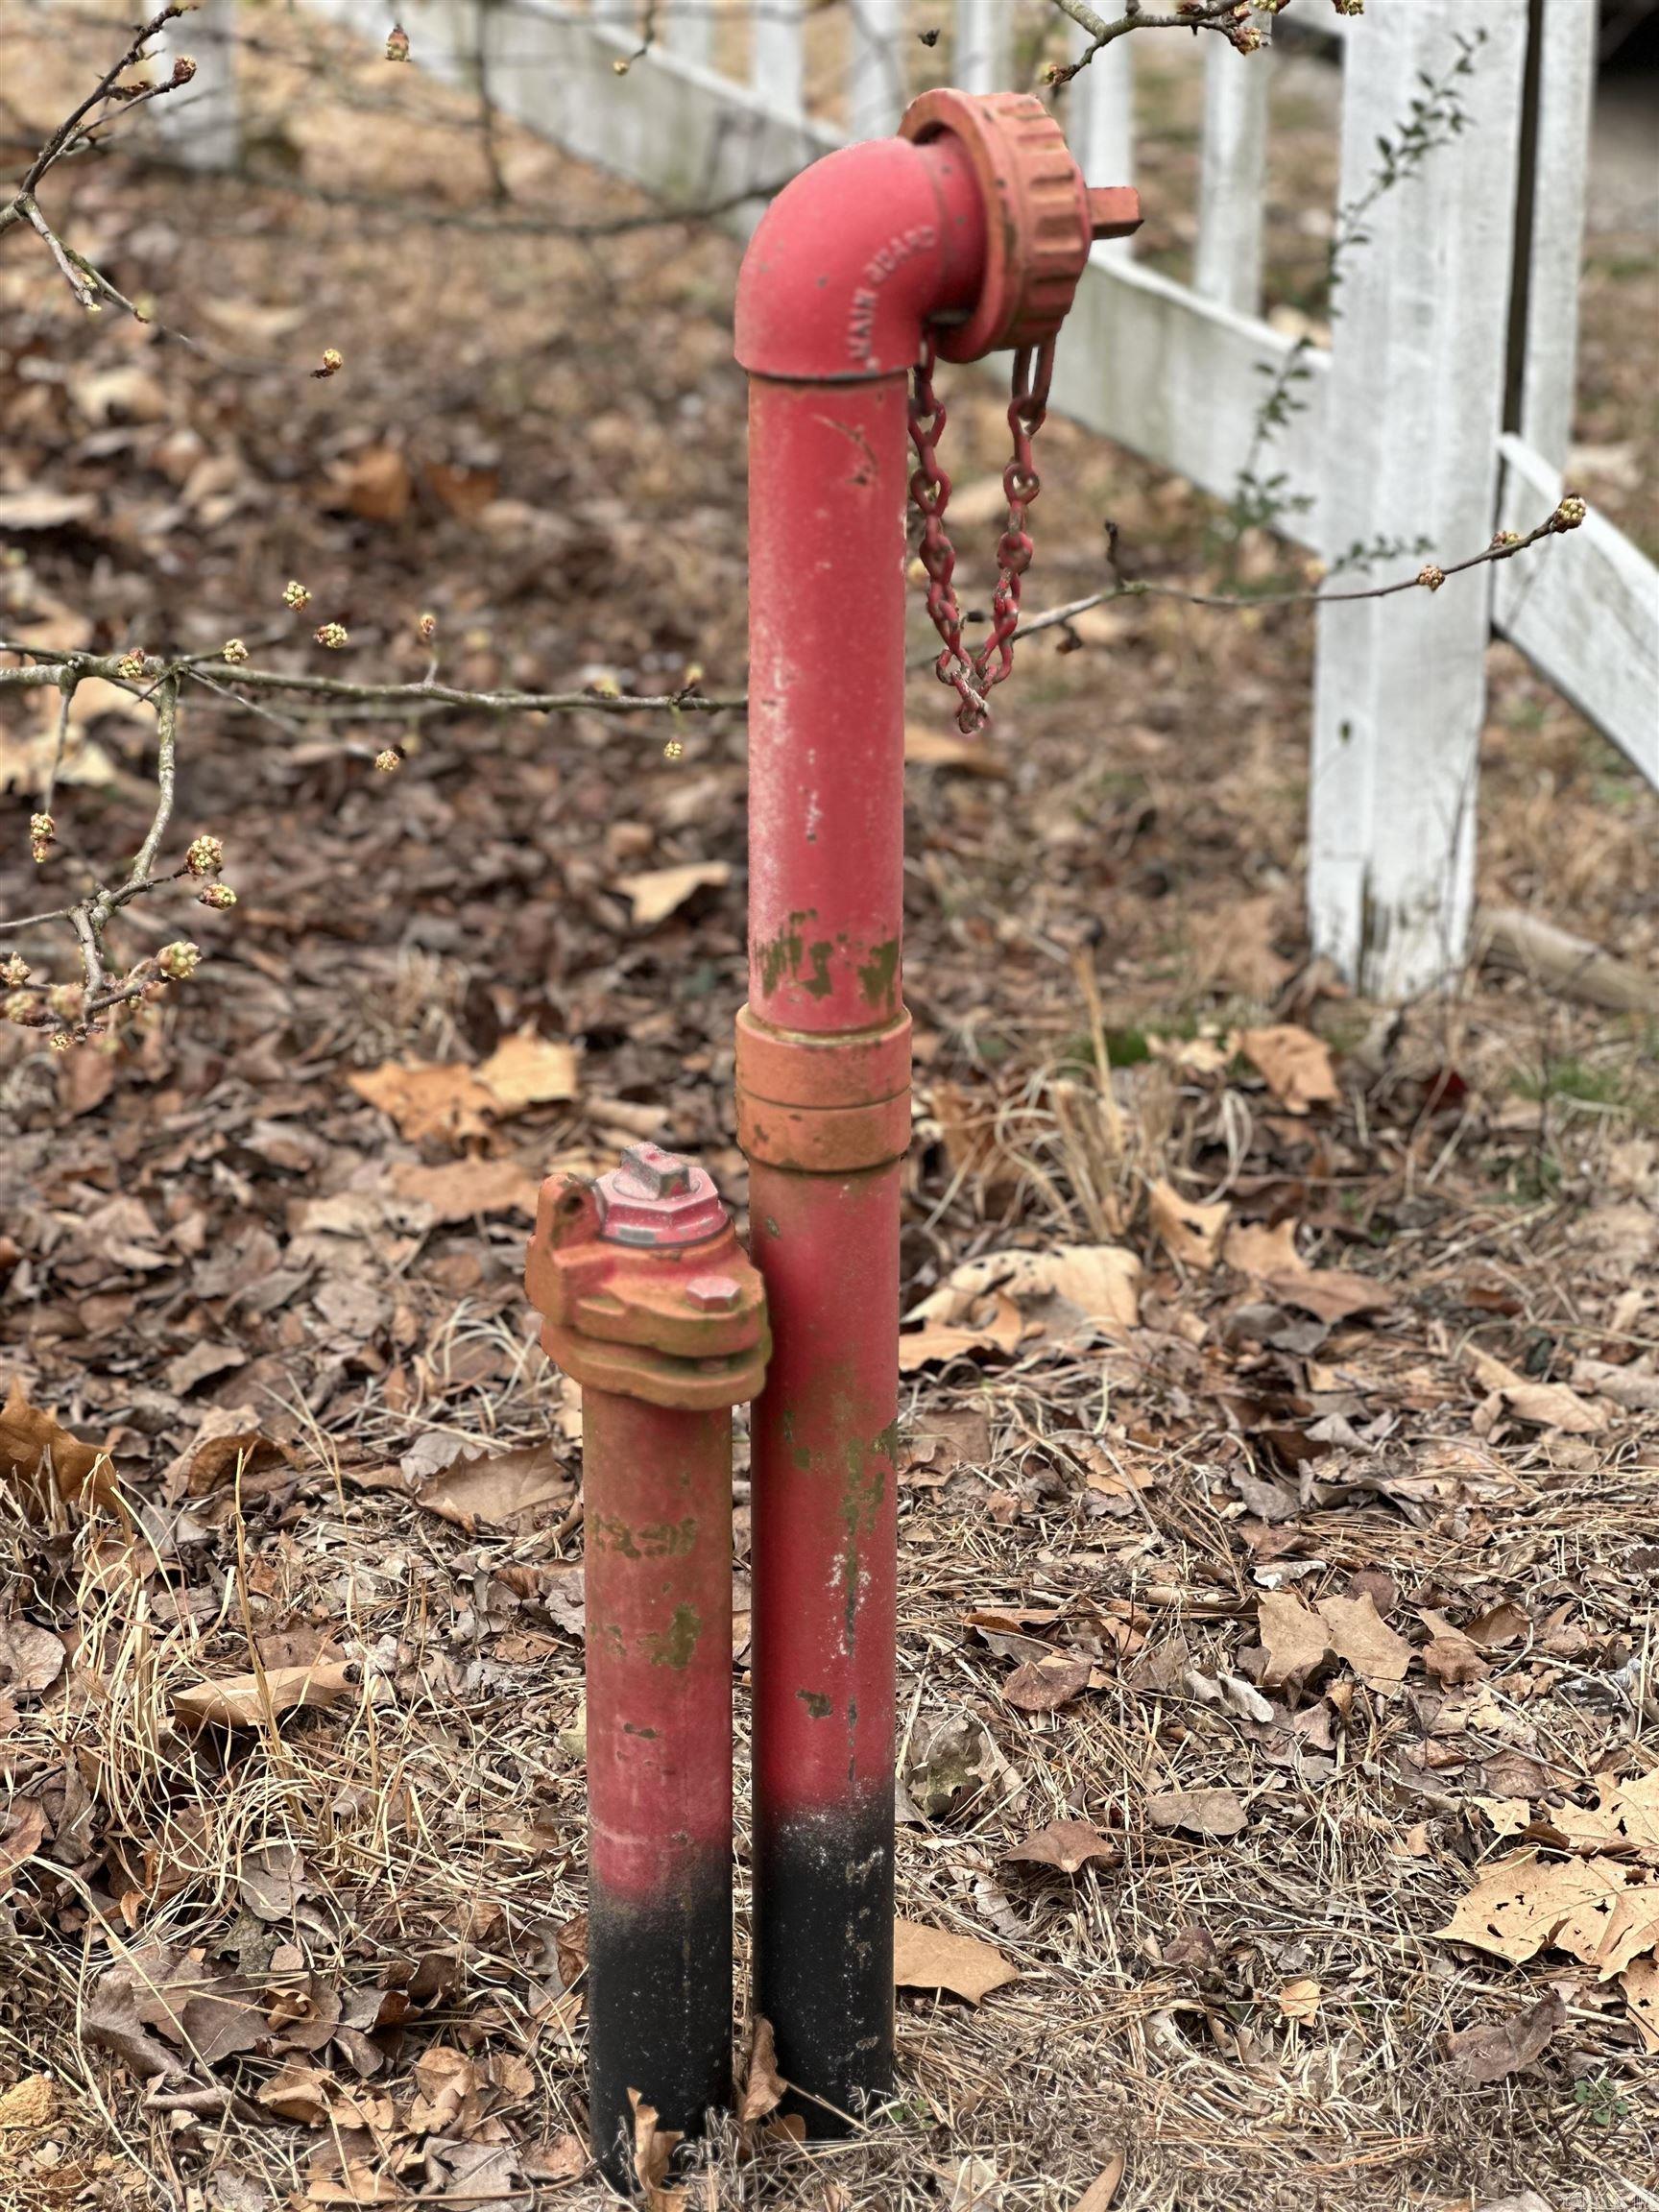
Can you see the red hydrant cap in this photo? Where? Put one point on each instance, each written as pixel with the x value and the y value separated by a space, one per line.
pixel 658 1198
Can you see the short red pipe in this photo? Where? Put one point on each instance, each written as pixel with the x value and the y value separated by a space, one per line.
pixel 657 1487
pixel 848 263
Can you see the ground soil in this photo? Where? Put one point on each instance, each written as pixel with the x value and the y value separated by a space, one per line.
pixel 290 1314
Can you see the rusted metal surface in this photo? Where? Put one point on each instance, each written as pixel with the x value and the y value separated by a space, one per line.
pixel 623 1272
pixel 658 1538
pixel 651 1303
pixel 969 232
pixel 824 1553
pixel 823 1104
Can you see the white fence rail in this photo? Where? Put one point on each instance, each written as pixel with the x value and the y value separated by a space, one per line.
pixel 1405 429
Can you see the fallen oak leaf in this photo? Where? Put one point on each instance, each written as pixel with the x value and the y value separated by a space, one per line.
pixel 467 1188
pixel 928 1957
pixel 939 749
pixel 1520 1905
pixel 1545 1404
pixel 653 2148
pixel 41 1459
pixel 762 2085
pixel 1360 1635
pixel 248 1700
pixel 425 1099
pixel 1067 1845
pixel 1295 1639
pixel 1300 2000
pixel 1295 1064
pixel 31 1658
pixel 1213 1813
pixel 1189 1231
pixel 659 891
pixel 528 1069
pixel 1045 1685
pixel 1639 1982
pixel 1500 2048
pixel 500 1488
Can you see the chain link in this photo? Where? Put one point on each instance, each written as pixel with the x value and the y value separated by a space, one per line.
pixel 974 672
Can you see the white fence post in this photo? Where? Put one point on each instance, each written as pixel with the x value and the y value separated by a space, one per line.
pixel 1232 180
pixel 1101 125
pixel 201 123
pixel 688 30
pixel 1414 411
pixel 777 59
pixel 876 95
pixel 1566 67
pixel 982 59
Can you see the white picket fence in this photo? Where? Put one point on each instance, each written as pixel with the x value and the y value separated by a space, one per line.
pixel 1400 434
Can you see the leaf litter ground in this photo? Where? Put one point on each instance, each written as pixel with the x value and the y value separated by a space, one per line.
pixel 1280 1491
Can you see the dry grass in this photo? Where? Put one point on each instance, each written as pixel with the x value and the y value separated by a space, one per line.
pixel 1149 821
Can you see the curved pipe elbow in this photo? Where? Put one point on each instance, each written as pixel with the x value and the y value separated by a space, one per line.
pixel 854 256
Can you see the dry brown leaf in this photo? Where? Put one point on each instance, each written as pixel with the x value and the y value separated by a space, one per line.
pixel 1295 1063
pixel 1044 1684
pixel 426 1099
pixel 1449 1655
pixel 564 2159
pixel 1068 1845
pixel 941 749
pixel 1627 1819
pixel 1639 1982
pixel 996 1325
pixel 928 1957
pixel 244 1700
pixel 1255 1249
pixel 1300 2000
pixel 467 1188
pixel 762 2085
pixel 1498 2048
pixel 1189 1231
pixel 374 483
pixel 1295 1639
pixel 527 1069
pixel 1214 1812
pixel 659 890
pixel 22 1832
pixel 40 1458
pixel 1547 1404
pixel 29 2103
pixel 497 1490
pixel 31 1658
pixel 1524 1904
pixel 1360 1635
pixel 1101 2192
pixel 653 2148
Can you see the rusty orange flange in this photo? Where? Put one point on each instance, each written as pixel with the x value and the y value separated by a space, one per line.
pixel 643 1288
pixel 827 1103
pixel 1041 217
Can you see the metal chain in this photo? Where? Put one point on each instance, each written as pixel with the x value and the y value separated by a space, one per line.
pixel 974 673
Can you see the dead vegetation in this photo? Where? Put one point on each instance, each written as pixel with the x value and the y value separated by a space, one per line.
pixel 1281 1491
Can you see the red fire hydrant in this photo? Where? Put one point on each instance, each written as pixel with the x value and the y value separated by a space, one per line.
pixel 965 234
pixel 649 1301
pixel 971 229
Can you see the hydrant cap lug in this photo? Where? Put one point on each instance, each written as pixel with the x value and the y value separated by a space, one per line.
pixel 657 1198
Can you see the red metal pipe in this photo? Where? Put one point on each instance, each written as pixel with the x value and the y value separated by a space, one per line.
pixel 836 284
pixel 650 1303
pixel 975 222
pixel 656 1493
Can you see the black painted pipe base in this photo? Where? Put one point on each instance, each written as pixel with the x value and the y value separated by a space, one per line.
pixel 659 2012
pixel 824 1958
